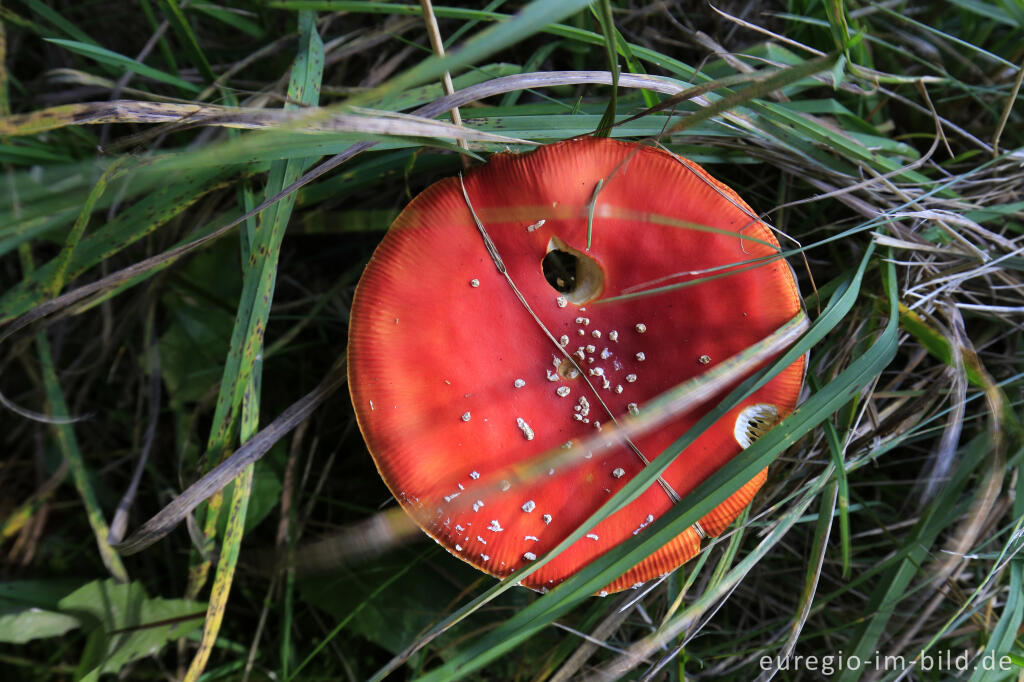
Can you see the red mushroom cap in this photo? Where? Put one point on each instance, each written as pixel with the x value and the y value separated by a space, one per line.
pixel 453 380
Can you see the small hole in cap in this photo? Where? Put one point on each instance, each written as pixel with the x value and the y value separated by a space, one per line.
pixel 572 273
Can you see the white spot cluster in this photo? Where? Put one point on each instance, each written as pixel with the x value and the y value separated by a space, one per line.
pixel 477 505
pixel 600 362
pixel 546 519
pixel 495 526
pixel 561 301
pixel 529 556
pixel 474 282
pixel 536 226
pixel 474 475
pixel 519 383
pixel 582 409
pixel 593 536
pixel 529 506
pixel 466 416
pixel 618 472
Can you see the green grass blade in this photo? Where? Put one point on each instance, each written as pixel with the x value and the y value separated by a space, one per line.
pixel 225 573
pixel 64 434
pixel 842 488
pixel 179 23
pixel 63 259
pixel 759 89
pixel 607 22
pixel 260 276
pixel 119 61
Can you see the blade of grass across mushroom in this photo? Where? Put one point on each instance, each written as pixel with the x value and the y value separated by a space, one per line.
pixel 705 497
pixel 260 273
pixel 573 591
pixel 381 531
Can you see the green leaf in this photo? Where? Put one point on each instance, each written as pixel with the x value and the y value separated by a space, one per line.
pixel 28 609
pixel 125 624
pixel 18 627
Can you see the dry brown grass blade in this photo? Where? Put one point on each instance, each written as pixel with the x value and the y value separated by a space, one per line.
pixel 311 120
pixel 434 31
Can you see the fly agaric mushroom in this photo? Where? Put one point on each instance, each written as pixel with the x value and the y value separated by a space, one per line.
pixel 454 377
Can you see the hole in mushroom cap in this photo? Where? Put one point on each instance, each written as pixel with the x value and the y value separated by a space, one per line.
pixel 754 422
pixel 572 273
